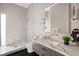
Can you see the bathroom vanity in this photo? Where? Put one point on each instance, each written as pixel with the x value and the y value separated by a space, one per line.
pixel 43 47
pixel 45 51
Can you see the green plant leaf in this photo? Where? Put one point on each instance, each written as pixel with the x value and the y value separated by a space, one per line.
pixel 66 38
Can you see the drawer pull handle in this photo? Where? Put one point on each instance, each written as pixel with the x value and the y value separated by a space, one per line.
pixel 44 49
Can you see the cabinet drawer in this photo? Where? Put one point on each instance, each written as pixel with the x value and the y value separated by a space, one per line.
pixel 38 52
pixel 58 54
pixel 43 54
pixel 54 53
pixel 45 51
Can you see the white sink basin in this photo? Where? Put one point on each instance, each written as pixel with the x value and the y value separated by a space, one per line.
pixel 54 43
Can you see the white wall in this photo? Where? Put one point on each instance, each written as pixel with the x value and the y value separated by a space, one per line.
pixel 15 22
pixel 35 16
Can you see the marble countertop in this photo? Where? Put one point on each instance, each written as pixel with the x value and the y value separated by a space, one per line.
pixel 67 50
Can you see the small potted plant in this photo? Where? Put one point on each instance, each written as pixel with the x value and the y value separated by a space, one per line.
pixel 66 39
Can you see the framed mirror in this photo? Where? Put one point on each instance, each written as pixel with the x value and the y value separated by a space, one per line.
pixel 57 17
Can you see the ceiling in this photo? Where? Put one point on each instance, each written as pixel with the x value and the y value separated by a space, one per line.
pixel 25 5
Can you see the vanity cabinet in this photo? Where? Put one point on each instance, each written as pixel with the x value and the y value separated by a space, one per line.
pixel 44 51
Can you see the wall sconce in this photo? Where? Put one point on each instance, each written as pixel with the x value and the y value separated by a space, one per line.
pixel 74 18
pixel 74 13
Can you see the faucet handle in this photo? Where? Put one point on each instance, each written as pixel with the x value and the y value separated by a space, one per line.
pixel 35 37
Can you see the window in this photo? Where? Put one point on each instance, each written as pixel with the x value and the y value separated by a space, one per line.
pixel 3 29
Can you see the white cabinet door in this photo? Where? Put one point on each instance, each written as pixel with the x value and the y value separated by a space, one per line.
pixel 45 51
pixel 54 53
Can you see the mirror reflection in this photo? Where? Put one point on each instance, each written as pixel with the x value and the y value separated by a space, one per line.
pixel 62 18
